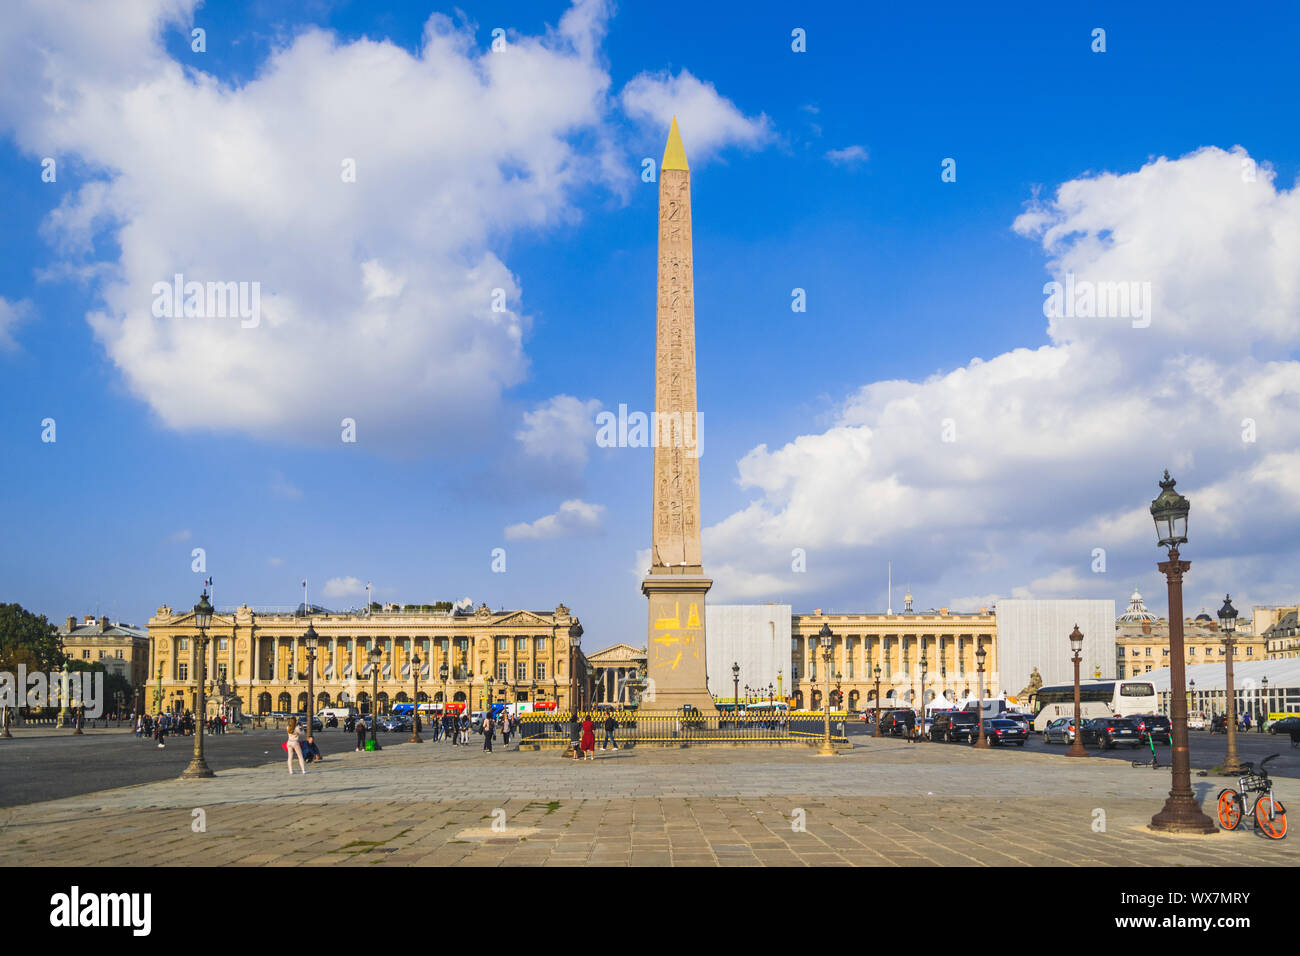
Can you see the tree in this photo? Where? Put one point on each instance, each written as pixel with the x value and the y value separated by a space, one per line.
pixel 28 639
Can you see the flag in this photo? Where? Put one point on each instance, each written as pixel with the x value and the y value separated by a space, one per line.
pixel 208 583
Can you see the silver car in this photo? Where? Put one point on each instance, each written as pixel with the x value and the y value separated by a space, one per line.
pixel 1059 731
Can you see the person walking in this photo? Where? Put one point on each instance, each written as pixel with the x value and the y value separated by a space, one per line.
pixel 488 732
pixel 505 728
pixel 293 746
pixel 158 731
pixel 464 730
pixel 139 726
pixel 588 740
pixel 361 734
pixel 611 725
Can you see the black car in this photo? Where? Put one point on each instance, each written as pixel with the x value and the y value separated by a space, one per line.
pixel 1286 725
pixel 1000 730
pixel 315 722
pixel 953 725
pixel 1109 732
pixel 898 723
pixel 1155 727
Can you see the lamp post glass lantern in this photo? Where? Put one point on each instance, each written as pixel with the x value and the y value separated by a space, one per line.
pixel 198 767
pixel 1228 626
pixel 1181 812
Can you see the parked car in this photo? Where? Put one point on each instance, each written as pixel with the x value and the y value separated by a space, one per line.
pixel 1195 721
pixel 1109 732
pixel 1285 725
pixel 1156 727
pixel 1024 720
pixel 315 722
pixel 1000 730
pixel 952 725
pixel 898 723
pixel 1059 731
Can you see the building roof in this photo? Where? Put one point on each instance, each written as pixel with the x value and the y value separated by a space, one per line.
pixel 1288 625
pixel 102 628
pixel 1245 674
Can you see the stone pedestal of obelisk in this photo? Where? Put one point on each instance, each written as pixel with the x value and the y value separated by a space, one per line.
pixel 676 584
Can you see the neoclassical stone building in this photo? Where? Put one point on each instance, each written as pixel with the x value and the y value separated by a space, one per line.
pixel 895 643
pixel 611 670
pixel 258 662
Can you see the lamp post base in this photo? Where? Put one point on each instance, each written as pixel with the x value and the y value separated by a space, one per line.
pixel 1182 815
pixel 196 770
pixel 1076 749
pixel 826 750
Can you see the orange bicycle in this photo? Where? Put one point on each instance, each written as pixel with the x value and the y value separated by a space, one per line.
pixel 1270 815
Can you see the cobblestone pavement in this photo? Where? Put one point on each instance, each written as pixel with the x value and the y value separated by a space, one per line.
pixel 882 803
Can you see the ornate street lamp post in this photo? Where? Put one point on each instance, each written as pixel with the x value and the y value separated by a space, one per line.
pixel 442 673
pixel 310 639
pixel 826 638
pixel 920 726
pixel 981 741
pixel 1076 645
pixel 198 767
pixel 64 712
pixel 487 693
pixel 375 657
pixel 415 719
pixel 877 731
pixel 735 690
pixel 1263 712
pixel 1228 625
pixel 1181 813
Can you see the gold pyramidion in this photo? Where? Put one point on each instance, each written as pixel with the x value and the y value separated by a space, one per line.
pixel 674 154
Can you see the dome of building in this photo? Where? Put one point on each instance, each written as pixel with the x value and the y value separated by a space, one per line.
pixel 1137 612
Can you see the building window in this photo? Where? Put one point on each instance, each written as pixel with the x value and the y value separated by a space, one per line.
pixel 539 672
pixel 118 655
pixel 101 655
pixel 1165 652
pixel 794 671
pixel 521 671
pixel 521 645
pixel 221 673
pixel 183 671
pixel 184 643
pixel 503 645
pixel 1148 669
pixel 1192 651
pixel 502 673
pixel 1148 652
pixel 1250 652
pixel 539 645
pixel 223 643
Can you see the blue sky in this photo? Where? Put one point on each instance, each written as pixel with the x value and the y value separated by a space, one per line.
pixel 170 439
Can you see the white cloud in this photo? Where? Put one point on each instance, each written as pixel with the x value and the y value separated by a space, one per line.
pixel 177 537
pixel 848 156
pixel 11 314
pixel 281 487
pixel 1058 449
pixel 275 562
pixel 708 121
pixel 376 295
pixel 561 430
pixel 575 518
pixel 343 587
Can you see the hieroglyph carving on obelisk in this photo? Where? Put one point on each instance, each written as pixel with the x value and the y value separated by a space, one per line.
pixel 676 536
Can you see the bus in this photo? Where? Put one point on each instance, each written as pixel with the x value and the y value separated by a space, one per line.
pixel 1097 698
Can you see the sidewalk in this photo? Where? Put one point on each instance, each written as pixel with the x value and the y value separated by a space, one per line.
pixel 885 803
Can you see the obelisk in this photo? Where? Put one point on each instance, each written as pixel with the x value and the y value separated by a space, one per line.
pixel 676 584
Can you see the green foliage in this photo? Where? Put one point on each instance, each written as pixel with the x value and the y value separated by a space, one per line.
pixel 27 638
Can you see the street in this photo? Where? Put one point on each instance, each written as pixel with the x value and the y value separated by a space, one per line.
pixel 1207 750
pixel 45 766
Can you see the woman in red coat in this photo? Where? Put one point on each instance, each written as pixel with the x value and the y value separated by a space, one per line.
pixel 588 740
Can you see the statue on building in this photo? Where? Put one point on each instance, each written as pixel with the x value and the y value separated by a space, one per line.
pixel 1035 684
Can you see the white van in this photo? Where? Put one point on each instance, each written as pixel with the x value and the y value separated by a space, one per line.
pixel 341 713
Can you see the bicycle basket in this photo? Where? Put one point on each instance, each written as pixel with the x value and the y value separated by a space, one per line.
pixel 1254 782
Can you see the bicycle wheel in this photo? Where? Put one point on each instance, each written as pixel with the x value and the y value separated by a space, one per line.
pixel 1229 804
pixel 1270 818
